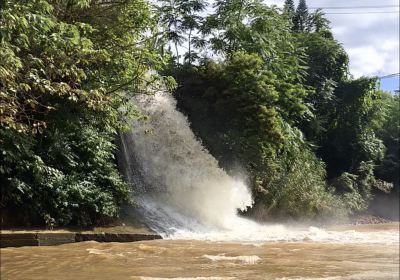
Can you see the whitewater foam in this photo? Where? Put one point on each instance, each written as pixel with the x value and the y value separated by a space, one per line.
pixel 184 278
pixel 249 232
pixel 242 259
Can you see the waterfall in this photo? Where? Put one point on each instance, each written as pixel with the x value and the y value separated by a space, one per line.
pixel 177 183
pixel 181 192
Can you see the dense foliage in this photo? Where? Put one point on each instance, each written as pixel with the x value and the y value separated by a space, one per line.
pixel 267 90
pixel 282 105
pixel 63 65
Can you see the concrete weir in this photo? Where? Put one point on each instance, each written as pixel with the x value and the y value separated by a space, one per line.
pixel 19 239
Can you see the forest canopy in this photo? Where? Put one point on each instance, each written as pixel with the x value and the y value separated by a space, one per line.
pixel 264 88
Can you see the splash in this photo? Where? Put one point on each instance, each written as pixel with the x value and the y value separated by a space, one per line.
pixel 178 183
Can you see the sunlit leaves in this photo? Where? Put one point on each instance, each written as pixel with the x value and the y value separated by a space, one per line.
pixel 180 21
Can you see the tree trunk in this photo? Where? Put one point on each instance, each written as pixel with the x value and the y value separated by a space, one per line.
pixel 190 42
pixel 177 53
pixel 176 42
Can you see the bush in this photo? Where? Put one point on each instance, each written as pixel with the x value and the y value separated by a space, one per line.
pixel 62 177
pixel 355 189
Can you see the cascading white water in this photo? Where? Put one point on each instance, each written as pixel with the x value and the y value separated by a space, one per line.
pixel 177 180
pixel 182 193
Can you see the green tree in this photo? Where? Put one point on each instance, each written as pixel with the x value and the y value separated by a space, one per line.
pixel 252 27
pixel 328 66
pixel 289 7
pixel 171 20
pixel 319 24
pixel 191 23
pixel 301 20
pixel 289 10
pixel 272 82
pixel 351 137
pixel 63 66
pixel 326 59
pixel 247 115
pixel 180 21
pixel 388 168
pixel 227 24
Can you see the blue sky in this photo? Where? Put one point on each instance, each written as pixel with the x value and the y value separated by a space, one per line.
pixel 390 84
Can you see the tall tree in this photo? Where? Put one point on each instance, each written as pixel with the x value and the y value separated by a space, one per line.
pixel 252 27
pixel 318 23
pixel 289 6
pixel 180 19
pixel 351 137
pixel 228 21
pixel 388 170
pixel 171 21
pixel 190 22
pixel 301 18
pixel 289 9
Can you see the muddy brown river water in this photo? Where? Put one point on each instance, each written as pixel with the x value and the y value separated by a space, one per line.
pixel 208 260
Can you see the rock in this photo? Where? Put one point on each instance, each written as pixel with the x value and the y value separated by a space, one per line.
pixel 115 237
pixel 19 239
pixel 55 238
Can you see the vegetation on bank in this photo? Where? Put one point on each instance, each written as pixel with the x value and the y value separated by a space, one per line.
pixel 267 90
pixel 278 100
pixel 63 66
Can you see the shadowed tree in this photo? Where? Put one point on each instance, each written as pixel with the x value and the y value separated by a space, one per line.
pixel 289 10
pixel 289 6
pixel 301 18
pixel 318 23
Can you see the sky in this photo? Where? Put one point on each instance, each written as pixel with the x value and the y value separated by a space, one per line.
pixel 391 84
pixel 371 40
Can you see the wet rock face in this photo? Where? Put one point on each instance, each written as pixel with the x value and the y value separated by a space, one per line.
pixel 18 239
pixel 58 238
pixel 115 237
pixel 48 239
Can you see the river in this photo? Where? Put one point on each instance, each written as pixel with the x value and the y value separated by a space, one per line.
pixel 370 252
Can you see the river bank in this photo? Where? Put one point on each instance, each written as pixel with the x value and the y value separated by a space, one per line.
pixel 36 236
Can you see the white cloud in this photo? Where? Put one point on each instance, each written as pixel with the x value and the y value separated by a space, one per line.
pixel 365 61
pixel 371 40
